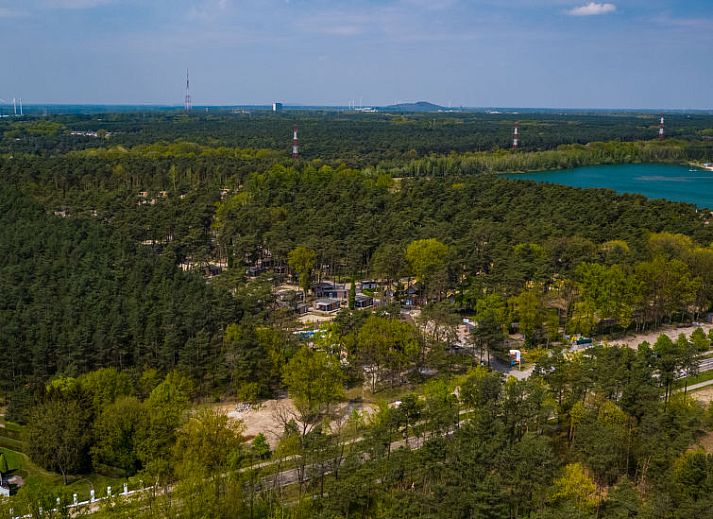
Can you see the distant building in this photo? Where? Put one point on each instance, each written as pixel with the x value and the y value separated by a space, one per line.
pixel 327 289
pixel 368 284
pixel 276 107
pixel 363 301
pixel 293 300
pixel 327 305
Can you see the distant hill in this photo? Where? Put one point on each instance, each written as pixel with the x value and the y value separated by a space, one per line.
pixel 421 106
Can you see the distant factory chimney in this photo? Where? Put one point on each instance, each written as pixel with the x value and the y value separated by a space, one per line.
pixel 661 128
pixel 516 136
pixel 295 144
pixel 188 104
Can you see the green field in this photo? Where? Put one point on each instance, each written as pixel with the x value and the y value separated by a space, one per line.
pixel 20 465
pixel 697 379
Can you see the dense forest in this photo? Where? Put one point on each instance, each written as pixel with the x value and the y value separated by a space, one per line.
pixel 78 295
pixel 353 138
pixel 132 303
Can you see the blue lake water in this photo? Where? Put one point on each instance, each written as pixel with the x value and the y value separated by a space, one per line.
pixel 651 180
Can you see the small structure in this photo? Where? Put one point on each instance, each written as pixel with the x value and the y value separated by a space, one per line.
pixel 276 107
pixel 363 301
pixel 327 305
pixel 295 144
pixel 293 300
pixel 515 357
pixel 329 290
pixel 368 284
pixel 4 470
pixel 288 294
pixel 412 295
pixel 254 271
pixel 212 269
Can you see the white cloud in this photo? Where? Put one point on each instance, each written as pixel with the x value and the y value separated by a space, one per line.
pixel 592 9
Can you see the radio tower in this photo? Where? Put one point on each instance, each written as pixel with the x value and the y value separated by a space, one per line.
pixel 516 136
pixel 295 144
pixel 661 128
pixel 188 104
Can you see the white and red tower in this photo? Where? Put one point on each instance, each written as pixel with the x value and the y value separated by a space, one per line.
pixel 661 128
pixel 295 144
pixel 516 136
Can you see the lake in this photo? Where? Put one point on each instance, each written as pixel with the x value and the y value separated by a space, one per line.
pixel 651 180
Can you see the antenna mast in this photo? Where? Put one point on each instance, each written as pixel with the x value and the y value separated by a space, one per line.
pixel 188 103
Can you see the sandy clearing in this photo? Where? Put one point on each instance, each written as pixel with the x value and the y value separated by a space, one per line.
pixel 704 395
pixel 263 418
pixel 314 319
pixel 270 416
pixel 673 332
pixel 705 442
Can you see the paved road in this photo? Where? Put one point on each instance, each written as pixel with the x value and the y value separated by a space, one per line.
pixel 292 476
pixel 700 385
pixel 706 364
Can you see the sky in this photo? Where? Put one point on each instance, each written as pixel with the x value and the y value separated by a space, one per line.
pixel 655 54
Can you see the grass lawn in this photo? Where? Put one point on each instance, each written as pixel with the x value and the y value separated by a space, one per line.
pixel 701 377
pixel 21 466
pixel 10 435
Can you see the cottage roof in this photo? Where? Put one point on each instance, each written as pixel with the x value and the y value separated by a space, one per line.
pixel 326 301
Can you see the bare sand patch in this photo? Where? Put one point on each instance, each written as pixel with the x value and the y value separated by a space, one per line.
pixel 270 417
pixel 704 395
pixel 705 442
pixel 633 341
pixel 316 319
pixel 265 418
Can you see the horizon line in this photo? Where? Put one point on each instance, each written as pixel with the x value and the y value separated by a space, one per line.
pixel 285 106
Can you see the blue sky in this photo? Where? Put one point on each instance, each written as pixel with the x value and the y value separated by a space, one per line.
pixel 511 53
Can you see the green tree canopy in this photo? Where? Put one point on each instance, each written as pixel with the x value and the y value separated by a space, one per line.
pixel 314 381
pixel 302 260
